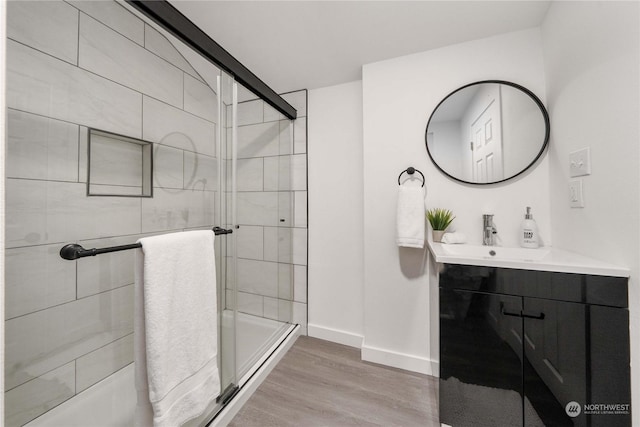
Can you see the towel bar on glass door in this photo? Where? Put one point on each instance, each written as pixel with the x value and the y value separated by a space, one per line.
pixel 74 251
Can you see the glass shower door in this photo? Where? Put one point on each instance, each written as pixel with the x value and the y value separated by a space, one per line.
pixel 226 213
pixel 264 234
pixel 69 323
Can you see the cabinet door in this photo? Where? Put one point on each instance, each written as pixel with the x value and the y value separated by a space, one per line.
pixel 575 358
pixel 555 361
pixel 480 359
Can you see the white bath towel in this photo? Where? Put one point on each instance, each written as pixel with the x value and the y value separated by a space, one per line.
pixel 411 216
pixel 454 238
pixel 175 328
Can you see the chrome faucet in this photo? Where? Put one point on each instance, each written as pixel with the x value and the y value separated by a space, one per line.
pixel 488 230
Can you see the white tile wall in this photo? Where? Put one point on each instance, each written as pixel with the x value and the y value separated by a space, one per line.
pixel 284 173
pixel 285 282
pixel 265 136
pixel 250 174
pixel 175 210
pixel 300 246
pixel 285 211
pixel 284 245
pixel 271 114
pixel 250 303
pixel 41 148
pixel 286 137
pixel 200 172
pixel 284 310
pixel 299 315
pixel 55 341
pixel 114 16
pixel 70 322
pixel 71 331
pixel 158 44
pixel 206 72
pixel 258 140
pixel 271 244
pixel 300 209
pixel 102 362
pixel 174 127
pixel 249 112
pixel 39 395
pixel 299 172
pixel 258 277
pixel 298 100
pixel 271 173
pixel 200 99
pixel 107 271
pixel 36 278
pixel 250 242
pixel 40 84
pixel 168 167
pixel 257 208
pixel 271 308
pixel 83 170
pixel 51 27
pixel 109 54
pixel 300 283
pixel 300 135
pixel 42 212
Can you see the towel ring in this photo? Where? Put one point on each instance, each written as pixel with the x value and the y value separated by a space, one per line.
pixel 411 170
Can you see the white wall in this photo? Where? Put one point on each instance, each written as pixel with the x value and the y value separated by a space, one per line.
pixel 592 66
pixel 335 219
pixel 583 64
pixel 3 37
pixel 399 96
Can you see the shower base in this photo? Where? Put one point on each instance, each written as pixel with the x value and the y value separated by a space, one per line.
pixel 112 401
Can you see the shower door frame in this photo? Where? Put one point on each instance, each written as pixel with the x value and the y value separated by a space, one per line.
pixel 169 18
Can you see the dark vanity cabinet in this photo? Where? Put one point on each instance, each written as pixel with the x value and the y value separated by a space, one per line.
pixel 533 348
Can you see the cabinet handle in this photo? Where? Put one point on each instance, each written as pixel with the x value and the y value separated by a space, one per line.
pixel 520 314
pixel 531 316
pixel 506 313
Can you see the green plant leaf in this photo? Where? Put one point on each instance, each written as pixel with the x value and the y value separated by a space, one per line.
pixel 440 218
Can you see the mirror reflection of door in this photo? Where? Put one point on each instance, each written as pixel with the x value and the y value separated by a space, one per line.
pixel 487 132
pixel 485 114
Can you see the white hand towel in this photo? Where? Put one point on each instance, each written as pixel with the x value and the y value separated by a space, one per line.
pixel 175 328
pixel 411 216
pixel 454 238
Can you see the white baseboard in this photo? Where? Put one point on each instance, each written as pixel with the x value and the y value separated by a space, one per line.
pixel 334 335
pixel 404 361
pixel 381 356
pixel 435 369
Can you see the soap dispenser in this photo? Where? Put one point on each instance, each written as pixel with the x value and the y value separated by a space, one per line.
pixel 529 231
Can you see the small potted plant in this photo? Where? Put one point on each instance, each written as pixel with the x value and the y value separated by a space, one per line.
pixel 439 219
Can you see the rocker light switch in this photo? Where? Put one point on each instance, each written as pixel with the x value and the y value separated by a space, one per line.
pixel 580 163
pixel 575 194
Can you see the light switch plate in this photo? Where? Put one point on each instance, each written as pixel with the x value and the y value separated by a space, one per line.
pixel 575 194
pixel 580 162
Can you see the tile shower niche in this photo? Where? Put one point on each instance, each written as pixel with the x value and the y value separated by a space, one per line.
pixel 118 165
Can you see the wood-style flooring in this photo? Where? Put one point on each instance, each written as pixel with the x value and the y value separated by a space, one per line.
pixel 320 383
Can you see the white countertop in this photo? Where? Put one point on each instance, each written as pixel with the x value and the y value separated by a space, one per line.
pixel 542 259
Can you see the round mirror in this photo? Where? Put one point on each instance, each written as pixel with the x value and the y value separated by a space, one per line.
pixel 487 132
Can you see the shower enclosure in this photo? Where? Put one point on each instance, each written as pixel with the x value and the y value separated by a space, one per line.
pixel 116 131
